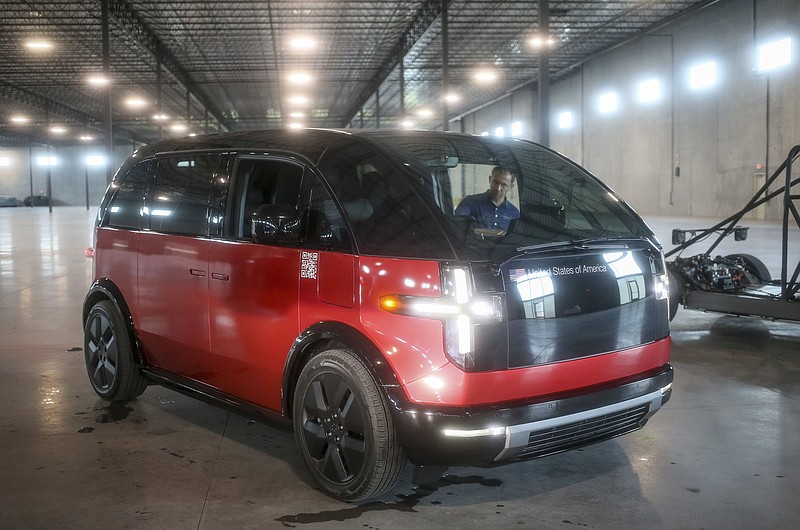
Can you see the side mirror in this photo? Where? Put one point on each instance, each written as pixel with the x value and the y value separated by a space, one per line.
pixel 276 224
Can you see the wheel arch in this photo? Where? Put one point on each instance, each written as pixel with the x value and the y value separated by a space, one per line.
pixel 325 336
pixel 105 289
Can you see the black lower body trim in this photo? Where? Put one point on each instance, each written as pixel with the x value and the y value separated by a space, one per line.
pixel 492 435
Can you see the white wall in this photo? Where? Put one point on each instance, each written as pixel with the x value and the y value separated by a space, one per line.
pixel 715 137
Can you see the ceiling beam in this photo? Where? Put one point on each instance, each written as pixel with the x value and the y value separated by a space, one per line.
pixel 424 18
pixel 54 110
pixel 49 106
pixel 130 20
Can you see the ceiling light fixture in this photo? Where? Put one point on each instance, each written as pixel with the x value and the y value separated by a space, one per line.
pixel 298 100
pixel 302 43
pixel 98 80
pixel 537 41
pixel 135 102
pixel 299 78
pixel 20 119
pixel 39 45
pixel 485 76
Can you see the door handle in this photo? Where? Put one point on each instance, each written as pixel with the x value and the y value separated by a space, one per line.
pixel 220 276
pixel 197 272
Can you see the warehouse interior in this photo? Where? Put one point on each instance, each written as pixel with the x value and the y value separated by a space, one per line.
pixel 685 108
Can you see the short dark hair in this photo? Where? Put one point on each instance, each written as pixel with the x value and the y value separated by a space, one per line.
pixel 503 170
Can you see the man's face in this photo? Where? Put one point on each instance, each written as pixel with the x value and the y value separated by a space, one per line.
pixel 499 184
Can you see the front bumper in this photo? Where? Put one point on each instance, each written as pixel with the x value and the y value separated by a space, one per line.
pixel 491 435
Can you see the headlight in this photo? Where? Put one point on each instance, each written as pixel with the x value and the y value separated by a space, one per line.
pixel 661 286
pixel 459 309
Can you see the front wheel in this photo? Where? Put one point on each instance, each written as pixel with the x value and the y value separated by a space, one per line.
pixel 108 350
pixel 344 428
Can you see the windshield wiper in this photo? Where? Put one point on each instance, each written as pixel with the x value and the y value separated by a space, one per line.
pixel 574 244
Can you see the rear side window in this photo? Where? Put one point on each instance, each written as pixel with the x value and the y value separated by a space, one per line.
pixel 180 199
pixel 126 207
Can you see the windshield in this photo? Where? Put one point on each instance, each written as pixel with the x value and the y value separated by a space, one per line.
pixel 502 192
pixel 451 196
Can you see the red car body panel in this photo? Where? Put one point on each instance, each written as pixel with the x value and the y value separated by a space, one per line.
pixel 453 387
pixel 173 303
pixel 253 298
pixel 414 347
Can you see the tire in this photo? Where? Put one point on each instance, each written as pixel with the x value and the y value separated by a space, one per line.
pixel 759 273
pixel 108 351
pixel 675 292
pixel 344 428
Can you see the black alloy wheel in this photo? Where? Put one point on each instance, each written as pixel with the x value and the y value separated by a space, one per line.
pixel 108 350
pixel 344 428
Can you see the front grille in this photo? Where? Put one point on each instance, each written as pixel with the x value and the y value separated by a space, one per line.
pixel 584 432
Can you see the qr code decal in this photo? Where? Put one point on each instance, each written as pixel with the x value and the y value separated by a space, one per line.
pixel 308 265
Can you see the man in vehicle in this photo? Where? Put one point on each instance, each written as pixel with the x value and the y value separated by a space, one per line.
pixel 492 209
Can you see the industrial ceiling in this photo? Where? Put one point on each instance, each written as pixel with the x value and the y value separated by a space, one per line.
pixel 181 67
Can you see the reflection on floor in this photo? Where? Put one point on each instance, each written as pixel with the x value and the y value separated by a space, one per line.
pixel 723 453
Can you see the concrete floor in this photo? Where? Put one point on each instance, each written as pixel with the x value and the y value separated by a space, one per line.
pixel 723 453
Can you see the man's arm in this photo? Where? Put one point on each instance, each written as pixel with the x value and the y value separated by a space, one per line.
pixel 466 207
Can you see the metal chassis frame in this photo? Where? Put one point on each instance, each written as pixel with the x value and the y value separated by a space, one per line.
pixel 787 307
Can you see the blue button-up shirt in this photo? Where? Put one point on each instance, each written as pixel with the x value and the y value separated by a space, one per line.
pixel 486 214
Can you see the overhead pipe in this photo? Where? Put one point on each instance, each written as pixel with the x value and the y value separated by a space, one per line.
pixel 445 65
pixel 158 97
pixel 378 108
pixel 402 91
pixel 544 73
pixel 107 116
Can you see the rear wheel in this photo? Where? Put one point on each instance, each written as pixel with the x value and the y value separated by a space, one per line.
pixel 344 428
pixel 758 272
pixel 108 351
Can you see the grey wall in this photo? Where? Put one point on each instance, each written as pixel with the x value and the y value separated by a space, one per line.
pixel 68 177
pixel 693 152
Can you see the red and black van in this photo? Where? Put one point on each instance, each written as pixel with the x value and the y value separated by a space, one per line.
pixel 329 279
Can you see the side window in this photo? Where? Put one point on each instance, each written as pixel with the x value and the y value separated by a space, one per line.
pixel 260 182
pixel 326 229
pixel 126 207
pixel 181 196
